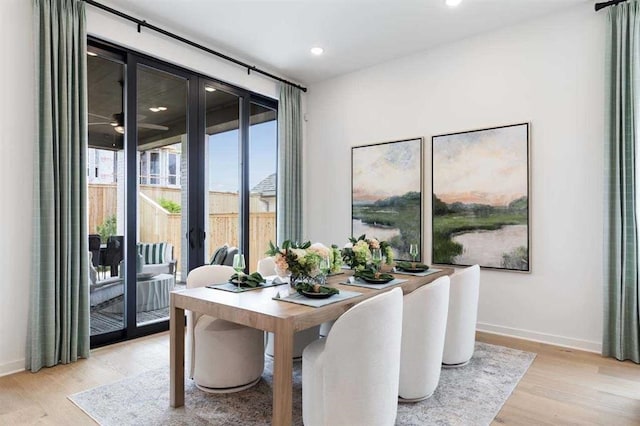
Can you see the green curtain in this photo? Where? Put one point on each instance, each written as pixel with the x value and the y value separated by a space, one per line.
pixel 59 305
pixel 621 337
pixel 289 212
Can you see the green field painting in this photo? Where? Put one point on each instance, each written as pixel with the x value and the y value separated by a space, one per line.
pixel 480 204
pixel 387 193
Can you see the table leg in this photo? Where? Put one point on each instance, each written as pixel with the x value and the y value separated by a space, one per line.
pixel 176 356
pixel 283 374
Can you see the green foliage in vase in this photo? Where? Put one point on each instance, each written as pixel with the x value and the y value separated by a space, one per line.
pixel 358 256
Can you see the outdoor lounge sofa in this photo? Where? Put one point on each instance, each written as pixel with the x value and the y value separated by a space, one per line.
pixel 157 258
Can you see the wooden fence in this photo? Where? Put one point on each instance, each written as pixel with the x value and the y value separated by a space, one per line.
pixel 223 229
pixel 158 225
pixel 102 202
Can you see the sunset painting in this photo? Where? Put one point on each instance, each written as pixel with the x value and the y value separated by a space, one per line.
pixel 481 198
pixel 387 193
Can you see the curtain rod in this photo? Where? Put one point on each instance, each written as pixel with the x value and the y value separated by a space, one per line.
pixel 142 23
pixel 600 6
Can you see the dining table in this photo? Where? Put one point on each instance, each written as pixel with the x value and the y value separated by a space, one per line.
pixel 261 309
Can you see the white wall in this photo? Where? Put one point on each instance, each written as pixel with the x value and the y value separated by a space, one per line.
pixel 17 118
pixel 548 72
pixel 124 33
pixel 17 110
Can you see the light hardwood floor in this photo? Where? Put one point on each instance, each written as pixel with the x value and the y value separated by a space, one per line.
pixel 562 386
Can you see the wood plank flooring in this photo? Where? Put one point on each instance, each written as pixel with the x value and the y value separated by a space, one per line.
pixel 562 387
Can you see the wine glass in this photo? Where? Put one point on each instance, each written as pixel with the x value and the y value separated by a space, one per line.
pixel 325 266
pixel 376 258
pixel 413 251
pixel 238 265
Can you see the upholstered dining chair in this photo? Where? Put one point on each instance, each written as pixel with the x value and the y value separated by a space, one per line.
pixel 460 337
pixel 222 356
pixel 351 377
pixel 267 267
pixel 424 324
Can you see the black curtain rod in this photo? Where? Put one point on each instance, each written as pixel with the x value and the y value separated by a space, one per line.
pixel 600 6
pixel 143 23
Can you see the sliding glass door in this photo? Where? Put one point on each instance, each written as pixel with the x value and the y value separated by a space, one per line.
pixel 222 190
pixel 263 165
pixel 178 165
pixel 162 190
pixel 106 190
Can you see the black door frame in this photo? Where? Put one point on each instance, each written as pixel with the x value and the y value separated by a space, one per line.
pixel 196 125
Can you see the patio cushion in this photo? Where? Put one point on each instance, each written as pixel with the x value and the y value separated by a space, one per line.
pixel 219 255
pixel 155 253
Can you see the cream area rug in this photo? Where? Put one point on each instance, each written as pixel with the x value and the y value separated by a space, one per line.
pixel 469 395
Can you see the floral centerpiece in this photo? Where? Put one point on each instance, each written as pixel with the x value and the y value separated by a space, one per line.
pixel 336 259
pixel 300 261
pixel 357 253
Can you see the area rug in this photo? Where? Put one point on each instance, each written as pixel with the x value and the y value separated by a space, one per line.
pixel 470 395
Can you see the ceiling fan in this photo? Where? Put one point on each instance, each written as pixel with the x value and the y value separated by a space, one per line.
pixel 117 122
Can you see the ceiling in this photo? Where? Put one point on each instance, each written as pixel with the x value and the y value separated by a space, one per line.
pixel 154 89
pixel 355 34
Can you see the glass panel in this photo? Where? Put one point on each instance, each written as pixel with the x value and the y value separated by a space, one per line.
pixel 173 167
pixel 263 153
pixel 105 178
pixel 162 205
pixel 222 178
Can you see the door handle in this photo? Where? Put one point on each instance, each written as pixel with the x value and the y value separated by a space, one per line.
pixel 203 236
pixel 189 237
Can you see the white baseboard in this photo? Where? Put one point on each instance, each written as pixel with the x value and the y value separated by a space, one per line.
pixel 567 342
pixel 11 367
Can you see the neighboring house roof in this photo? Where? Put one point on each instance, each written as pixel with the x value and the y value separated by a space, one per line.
pixel 266 187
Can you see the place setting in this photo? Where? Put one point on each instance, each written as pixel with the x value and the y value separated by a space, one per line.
pixel 308 266
pixel 414 268
pixel 371 276
pixel 241 282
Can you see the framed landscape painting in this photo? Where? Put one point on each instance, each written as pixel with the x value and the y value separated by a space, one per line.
pixel 386 196
pixel 481 198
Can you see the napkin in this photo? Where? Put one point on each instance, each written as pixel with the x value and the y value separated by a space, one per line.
pixel 278 280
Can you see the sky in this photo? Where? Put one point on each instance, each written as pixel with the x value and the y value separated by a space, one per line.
pixel 488 167
pixel 223 167
pixel 384 170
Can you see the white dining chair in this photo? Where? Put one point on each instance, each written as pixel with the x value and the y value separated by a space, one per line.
pixel 301 339
pixel 424 324
pixel 462 318
pixel 222 356
pixel 266 266
pixel 351 377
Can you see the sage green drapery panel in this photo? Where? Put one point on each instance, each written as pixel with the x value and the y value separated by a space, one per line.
pixel 621 337
pixel 59 304
pixel 289 226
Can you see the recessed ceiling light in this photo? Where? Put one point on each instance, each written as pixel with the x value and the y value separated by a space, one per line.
pixel 162 108
pixel 92 54
pixel 154 109
pixel 453 3
pixel 317 51
pixel 209 89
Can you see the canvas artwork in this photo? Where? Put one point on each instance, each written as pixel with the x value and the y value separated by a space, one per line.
pixel 481 198
pixel 387 194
